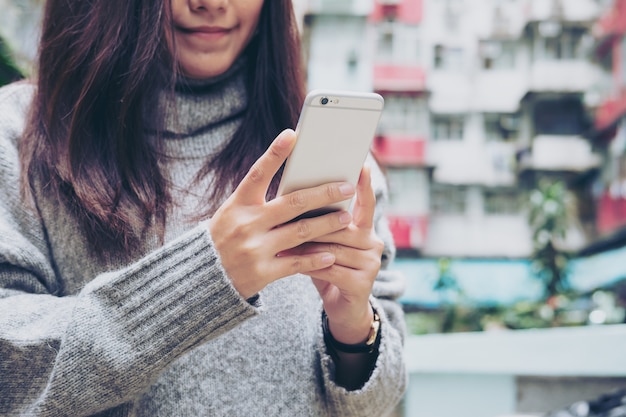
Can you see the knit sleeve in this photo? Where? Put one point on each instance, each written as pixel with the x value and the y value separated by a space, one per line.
pixel 98 349
pixel 387 384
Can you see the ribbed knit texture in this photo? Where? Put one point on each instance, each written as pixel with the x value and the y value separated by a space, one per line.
pixel 164 332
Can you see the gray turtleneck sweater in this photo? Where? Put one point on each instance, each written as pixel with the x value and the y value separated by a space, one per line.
pixel 164 332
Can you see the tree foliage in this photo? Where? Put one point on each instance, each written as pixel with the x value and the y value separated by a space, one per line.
pixel 8 69
pixel 549 217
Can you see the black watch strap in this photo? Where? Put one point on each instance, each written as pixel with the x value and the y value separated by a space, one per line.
pixel 369 346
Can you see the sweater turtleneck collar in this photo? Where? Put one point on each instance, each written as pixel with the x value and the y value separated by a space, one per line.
pixel 187 85
pixel 199 105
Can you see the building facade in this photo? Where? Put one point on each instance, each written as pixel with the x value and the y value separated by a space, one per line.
pixel 483 98
pixel 609 134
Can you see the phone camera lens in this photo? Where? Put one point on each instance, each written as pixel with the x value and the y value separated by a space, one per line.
pixel 324 101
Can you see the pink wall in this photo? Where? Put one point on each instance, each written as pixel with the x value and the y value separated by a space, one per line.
pixel 407 11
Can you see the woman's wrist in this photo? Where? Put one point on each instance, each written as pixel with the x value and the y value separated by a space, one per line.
pixel 354 363
pixel 355 331
pixel 363 344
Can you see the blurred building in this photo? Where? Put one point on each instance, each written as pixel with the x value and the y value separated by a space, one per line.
pixel 483 98
pixel 609 133
pixel 19 31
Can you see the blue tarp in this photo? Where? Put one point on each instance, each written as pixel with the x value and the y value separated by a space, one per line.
pixel 503 281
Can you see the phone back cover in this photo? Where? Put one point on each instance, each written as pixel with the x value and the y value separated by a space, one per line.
pixel 333 142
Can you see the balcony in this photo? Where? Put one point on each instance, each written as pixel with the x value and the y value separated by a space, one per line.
pixel 398 150
pixel 478 235
pixel 562 76
pixel 467 163
pixel 559 153
pixel 399 78
pixel 409 232
pixel 498 91
pixel 405 11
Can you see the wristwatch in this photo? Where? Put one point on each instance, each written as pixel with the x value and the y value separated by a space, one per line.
pixel 369 346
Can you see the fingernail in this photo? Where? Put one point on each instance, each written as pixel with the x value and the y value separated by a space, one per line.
pixel 283 140
pixel 345 218
pixel 328 259
pixel 346 189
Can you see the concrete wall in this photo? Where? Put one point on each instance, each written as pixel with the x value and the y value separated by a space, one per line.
pixel 493 374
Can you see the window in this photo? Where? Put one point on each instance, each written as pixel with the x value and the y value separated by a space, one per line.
pixel 497 55
pixel 447 199
pixel 386 40
pixel 398 43
pixel 352 60
pixel 453 13
pixel 439 56
pixel 448 58
pixel 503 202
pixel 403 113
pixel 565 116
pixel 389 8
pixel 503 19
pixel 447 127
pixel 408 45
pixel 406 189
pixel 561 42
pixel 501 126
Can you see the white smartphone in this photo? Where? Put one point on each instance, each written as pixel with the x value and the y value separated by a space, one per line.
pixel 334 134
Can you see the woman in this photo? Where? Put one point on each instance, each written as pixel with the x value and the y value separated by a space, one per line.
pixel 145 269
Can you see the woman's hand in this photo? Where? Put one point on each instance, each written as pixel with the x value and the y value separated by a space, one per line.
pixel 246 232
pixel 346 285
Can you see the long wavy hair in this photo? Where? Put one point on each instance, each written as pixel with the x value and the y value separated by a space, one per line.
pixel 101 64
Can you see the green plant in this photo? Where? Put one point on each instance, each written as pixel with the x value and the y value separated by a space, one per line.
pixel 8 69
pixel 451 294
pixel 549 217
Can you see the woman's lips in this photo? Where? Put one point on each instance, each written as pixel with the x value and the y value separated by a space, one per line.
pixel 211 33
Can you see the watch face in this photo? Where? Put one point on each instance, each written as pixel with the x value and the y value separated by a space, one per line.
pixel 374 330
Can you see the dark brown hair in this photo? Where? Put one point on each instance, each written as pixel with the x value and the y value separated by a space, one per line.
pixel 276 91
pixel 101 64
